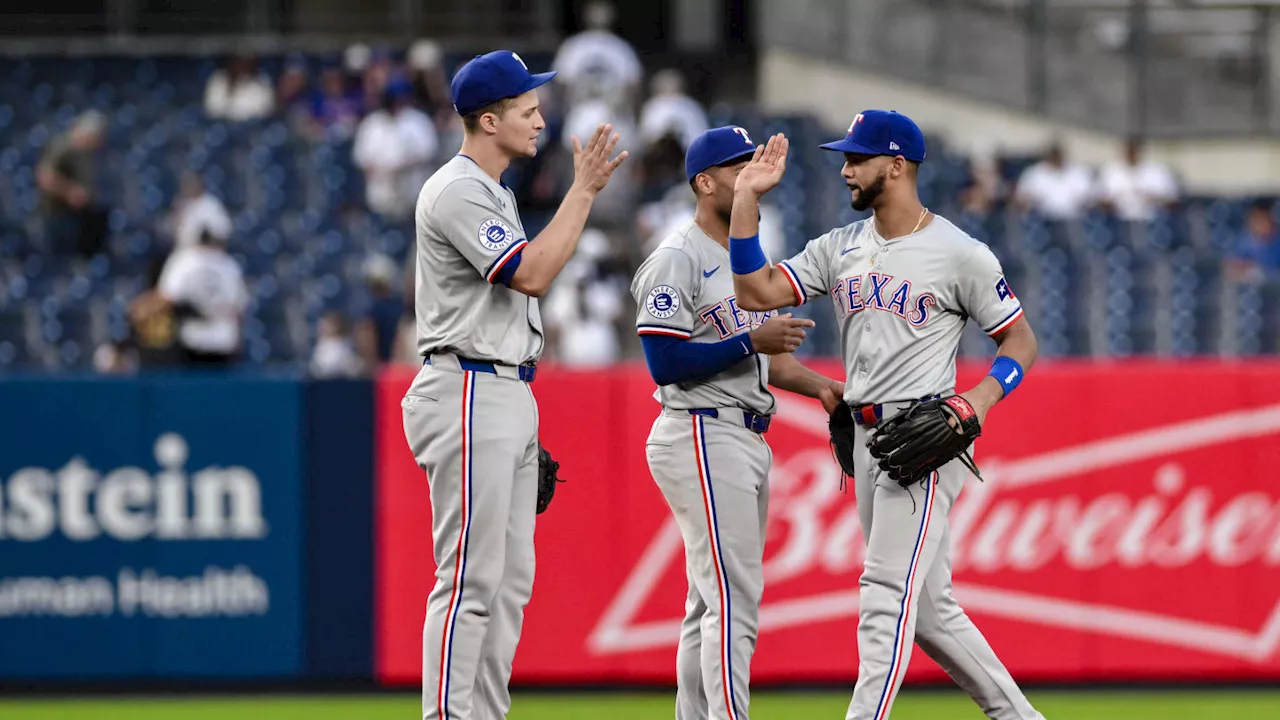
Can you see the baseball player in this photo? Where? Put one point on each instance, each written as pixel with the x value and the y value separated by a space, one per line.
pixel 469 416
pixel 902 283
pixel 714 363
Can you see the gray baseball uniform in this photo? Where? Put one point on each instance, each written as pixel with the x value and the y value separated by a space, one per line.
pixel 901 306
pixel 479 340
pixel 712 468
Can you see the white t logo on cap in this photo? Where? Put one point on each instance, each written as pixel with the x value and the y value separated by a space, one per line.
pixel 743 133
pixel 519 60
pixel 857 119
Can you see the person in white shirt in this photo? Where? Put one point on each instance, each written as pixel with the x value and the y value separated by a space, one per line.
pixel 396 147
pixel 1054 188
pixel 239 92
pixel 335 354
pixel 206 288
pixel 596 62
pixel 191 210
pixel 583 306
pixel 669 109
pixel 1135 189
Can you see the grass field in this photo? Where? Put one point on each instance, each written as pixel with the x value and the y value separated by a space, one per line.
pixel 1167 705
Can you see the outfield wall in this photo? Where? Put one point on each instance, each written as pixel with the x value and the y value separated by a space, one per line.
pixel 245 527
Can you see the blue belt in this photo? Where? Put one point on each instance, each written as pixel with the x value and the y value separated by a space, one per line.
pixel 753 422
pixel 527 372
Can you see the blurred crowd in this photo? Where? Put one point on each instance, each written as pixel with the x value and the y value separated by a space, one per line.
pixel 393 110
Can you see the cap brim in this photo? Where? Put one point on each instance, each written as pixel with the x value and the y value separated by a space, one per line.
pixel 538 80
pixel 844 144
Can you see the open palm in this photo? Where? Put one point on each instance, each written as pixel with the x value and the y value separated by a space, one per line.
pixel 765 169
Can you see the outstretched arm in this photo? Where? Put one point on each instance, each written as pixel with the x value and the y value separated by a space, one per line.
pixel 758 285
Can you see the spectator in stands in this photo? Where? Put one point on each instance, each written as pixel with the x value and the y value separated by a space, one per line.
pixel 396 148
pixel 430 84
pixel 239 92
pixel 584 304
pixel 379 324
pixel 597 63
pixel 617 204
pixel 74 219
pixel 1133 188
pixel 206 289
pixel 670 110
pixel 191 210
pixel 336 107
pixel 154 323
pixel 661 168
pixel 1256 255
pixel 1054 188
pixel 293 88
pixel 334 356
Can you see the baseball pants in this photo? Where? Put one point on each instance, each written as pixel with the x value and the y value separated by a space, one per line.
pixel 475 435
pixel 905 594
pixel 714 474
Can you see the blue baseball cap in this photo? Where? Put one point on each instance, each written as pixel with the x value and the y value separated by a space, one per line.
pixel 882 132
pixel 716 147
pixel 491 77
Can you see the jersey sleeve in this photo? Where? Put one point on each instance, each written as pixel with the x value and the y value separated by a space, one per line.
pixel 468 215
pixel 809 271
pixel 985 295
pixel 663 289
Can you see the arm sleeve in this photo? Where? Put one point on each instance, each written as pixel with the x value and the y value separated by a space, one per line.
pixel 468 215
pixel 672 360
pixel 984 294
pixel 663 289
pixel 809 272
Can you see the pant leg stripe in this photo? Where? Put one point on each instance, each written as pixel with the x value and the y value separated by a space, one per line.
pixel 717 560
pixel 464 541
pixel 899 640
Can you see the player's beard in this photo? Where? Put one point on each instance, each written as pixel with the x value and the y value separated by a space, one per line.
pixel 867 195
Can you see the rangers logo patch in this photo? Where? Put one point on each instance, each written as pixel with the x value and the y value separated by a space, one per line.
pixel 663 302
pixel 495 234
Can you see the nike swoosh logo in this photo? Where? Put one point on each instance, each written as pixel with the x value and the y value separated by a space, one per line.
pixel 709 273
pixel 846 251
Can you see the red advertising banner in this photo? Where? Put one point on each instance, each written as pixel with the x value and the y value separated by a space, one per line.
pixel 1128 529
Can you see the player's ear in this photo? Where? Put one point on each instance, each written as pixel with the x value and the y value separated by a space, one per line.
pixel 489 122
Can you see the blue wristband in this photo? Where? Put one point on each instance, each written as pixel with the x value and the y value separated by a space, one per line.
pixel 745 255
pixel 1007 372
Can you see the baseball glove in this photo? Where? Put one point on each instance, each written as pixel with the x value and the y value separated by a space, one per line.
pixel 547 478
pixel 841 427
pixel 923 437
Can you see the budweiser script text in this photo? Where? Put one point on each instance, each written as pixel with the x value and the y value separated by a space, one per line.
pixel 1156 517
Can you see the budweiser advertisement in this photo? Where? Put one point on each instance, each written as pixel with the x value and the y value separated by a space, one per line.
pixel 1128 529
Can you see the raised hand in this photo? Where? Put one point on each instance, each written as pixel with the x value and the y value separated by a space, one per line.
pixel 779 334
pixel 592 167
pixel 765 169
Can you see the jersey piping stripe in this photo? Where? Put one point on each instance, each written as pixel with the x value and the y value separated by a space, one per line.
pixel 1013 317
pixel 663 330
pixel 900 641
pixel 464 542
pixel 503 259
pixel 796 287
pixel 717 560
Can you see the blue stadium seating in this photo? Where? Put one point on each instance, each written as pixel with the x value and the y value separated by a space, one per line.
pixel 1098 288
